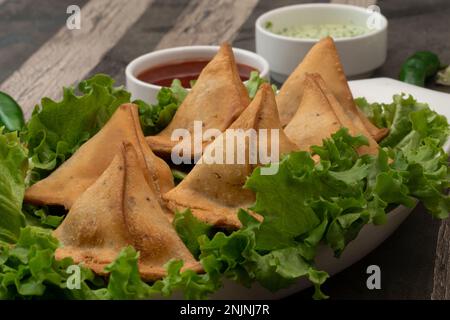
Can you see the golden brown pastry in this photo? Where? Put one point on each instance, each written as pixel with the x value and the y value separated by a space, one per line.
pixel 217 99
pixel 118 210
pixel 319 115
pixel 314 120
pixel 214 191
pixel 75 175
pixel 323 59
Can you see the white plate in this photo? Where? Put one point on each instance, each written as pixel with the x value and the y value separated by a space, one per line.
pixel 374 90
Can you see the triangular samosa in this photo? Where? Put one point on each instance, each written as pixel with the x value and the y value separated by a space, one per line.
pixel 320 114
pixel 118 210
pixel 314 120
pixel 214 191
pixel 75 175
pixel 217 99
pixel 323 59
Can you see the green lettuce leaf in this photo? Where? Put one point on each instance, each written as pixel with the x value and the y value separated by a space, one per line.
pixel 124 280
pixel 156 117
pixel 331 191
pixel 237 257
pixel 275 202
pixel 45 216
pixel 191 284
pixel 189 229
pixel 178 175
pixel 28 269
pixel 13 166
pixel 415 142
pixel 405 117
pixel 379 114
pixel 57 129
pixel 126 284
pixel 254 82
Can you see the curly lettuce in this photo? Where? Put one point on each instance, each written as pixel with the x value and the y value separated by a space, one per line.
pixel 254 82
pixel 57 129
pixel 417 135
pixel 155 117
pixel 13 166
pixel 28 269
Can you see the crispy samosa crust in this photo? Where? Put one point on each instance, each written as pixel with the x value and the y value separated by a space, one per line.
pixel 320 114
pixel 314 120
pixel 214 191
pixel 75 175
pixel 217 99
pixel 118 210
pixel 323 59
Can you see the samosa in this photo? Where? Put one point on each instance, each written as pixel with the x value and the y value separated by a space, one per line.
pixel 118 210
pixel 74 176
pixel 217 99
pixel 319 115
pixel 323 59
pixel 314 120
pixel 213 189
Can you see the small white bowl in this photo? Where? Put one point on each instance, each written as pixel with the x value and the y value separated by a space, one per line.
pixel 148 92
pixel 359 55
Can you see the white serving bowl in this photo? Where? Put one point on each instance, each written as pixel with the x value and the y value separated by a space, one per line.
pixel 147 92
pixel 359 55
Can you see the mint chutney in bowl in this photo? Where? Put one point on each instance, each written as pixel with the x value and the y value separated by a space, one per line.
pixel 283 36
pixel 320 30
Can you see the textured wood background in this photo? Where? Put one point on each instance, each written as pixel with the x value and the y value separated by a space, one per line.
pixel 39 55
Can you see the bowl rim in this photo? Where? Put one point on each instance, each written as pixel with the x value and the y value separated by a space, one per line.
pixel 130 68
pixel 353 8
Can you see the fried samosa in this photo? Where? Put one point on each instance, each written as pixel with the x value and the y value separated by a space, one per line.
pixel 217 99
pixel 323 59
pixel 214 191
pixel 319 115
pixel 75 175
pixel 118 210
pixel 314 120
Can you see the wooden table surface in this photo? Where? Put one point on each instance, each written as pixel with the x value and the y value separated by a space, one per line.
pixel 39 55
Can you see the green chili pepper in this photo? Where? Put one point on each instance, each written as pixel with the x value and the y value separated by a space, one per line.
pixel 420 66
pixel 11 115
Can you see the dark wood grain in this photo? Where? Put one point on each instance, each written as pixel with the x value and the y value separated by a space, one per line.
pixel 415 25
pixel 441 287
pixel 176 23
pixel 200 23
pixel 25 26
pixel 142 38
pixel 71 54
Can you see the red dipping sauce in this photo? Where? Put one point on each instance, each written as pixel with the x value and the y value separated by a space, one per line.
pixel 185 71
